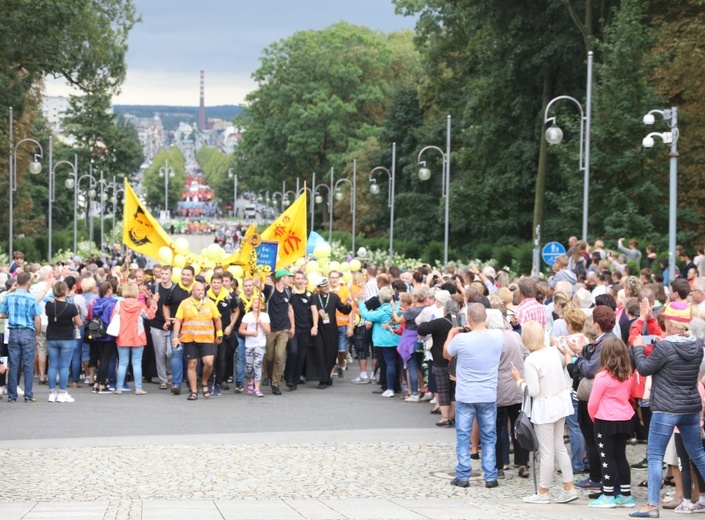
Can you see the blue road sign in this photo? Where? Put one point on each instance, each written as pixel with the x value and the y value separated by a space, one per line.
pixel 551 251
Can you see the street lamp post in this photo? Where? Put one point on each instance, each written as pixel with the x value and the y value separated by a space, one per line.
pixel 374 188
pixel 670 116
pixel 353 198
pixel 319 199
pixel 233 176
pixel 75 183
pixel 166 171
pixel 103 198
pixel 114 201
pixel 554 135
pixel 52 189
pixel 425 174
pixel 34 168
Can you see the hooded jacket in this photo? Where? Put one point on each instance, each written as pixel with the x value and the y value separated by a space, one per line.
pixel 673 366
pixel 103 307
pixel 132 332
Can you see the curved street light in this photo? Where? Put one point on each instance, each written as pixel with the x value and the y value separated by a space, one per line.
pixel 425 174
pixel 52 191
pixel 374 188
pixel 233 176
pixel 114 200
pixel 35 167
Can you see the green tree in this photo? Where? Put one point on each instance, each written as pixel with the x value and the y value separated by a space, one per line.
pixel 154 183
pixel 215 166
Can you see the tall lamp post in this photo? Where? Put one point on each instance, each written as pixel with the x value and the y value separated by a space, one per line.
pixel 34 168
pixel 166 171
pixel 353 198
pixel 319 200
pixel 425 174
pixel 374 188
pixel 671 117
pixel 52 188
pixel 74 182
pixel 233 176
pixel 554 135
pixel 103 199
pixel 114 201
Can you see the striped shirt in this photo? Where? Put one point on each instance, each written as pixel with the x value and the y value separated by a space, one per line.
pixel 530 309
pixel 21 309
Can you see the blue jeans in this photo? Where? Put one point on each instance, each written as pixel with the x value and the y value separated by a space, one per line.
pixel 342 338
pixel 177 365
pixel 124 354
pixel 660 432
pixel 390 358
pixel 21 346
pixel 60 353
pixel 577 442
pixel 239 363
pixel 77 358
pixel 486 415
pixel 413 369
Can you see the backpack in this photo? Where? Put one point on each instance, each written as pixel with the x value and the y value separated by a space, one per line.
pixel 95 328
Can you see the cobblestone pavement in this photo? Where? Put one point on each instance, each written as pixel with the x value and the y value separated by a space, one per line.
pixel 262 479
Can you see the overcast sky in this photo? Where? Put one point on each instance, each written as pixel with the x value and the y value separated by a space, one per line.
pixel 225 38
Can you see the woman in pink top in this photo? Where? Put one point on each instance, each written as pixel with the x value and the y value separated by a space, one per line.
pixel 132 336
pixel 610 410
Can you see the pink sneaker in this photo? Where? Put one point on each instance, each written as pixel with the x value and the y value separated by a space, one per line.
pixel 250 388
pixel 258 393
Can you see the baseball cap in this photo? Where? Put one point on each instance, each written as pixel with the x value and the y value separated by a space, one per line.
pixel 282 272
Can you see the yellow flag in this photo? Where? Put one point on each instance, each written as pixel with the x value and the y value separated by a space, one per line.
pixel 290 231
pixel 242 256
pixel 141 232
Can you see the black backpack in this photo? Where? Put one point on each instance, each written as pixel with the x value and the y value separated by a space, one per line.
pixel 95 328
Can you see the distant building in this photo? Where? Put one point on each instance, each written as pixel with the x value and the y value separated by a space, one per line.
pixel 150 131
pixel 229 139
pixel 54 108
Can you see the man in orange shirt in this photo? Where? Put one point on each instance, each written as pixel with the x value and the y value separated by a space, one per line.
pixel 346 322
pixel 197 325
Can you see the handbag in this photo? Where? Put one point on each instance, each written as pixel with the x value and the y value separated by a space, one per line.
pixel 585 388
pixel 114 326
pixel 524 431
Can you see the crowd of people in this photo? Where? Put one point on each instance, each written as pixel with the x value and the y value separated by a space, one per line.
pixel 597 355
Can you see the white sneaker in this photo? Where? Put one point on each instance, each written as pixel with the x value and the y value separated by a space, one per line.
pixel 537 499
pixel 388 393
pixel 361 381
pixel 20 392
pixel 413 398
pixel 698 507
pixel 3 390
pixel 567 496
pixel 427 397
pixel 433 401
pixel 685 507
pixel 64 397
pixel 52 397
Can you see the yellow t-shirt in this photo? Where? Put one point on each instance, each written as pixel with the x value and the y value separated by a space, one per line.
pixel 197 320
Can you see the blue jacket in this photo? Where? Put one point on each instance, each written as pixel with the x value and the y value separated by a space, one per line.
pixel 103 307
pixel 380 316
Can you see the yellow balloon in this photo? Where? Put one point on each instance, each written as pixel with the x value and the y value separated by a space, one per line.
pixel 208 275
pixel 301 261
pixel 355 265
pixel 181 245
pixel 311 286
pixel 213 251
pixel 165 255
pixel 179 261
pixel 236 271
pixel 196 269
pixel 344 267
pixel 322 251
pixel 176 274
pixel 313 280
pixel 347 277
pixel 312 267
pixel 204 253
pixel 335 266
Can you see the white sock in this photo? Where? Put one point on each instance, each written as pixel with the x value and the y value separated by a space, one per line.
pixel 702 501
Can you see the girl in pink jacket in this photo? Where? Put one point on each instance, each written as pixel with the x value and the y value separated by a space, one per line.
pixel 610 410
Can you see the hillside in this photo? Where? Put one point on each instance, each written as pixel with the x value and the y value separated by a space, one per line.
pixel 172 115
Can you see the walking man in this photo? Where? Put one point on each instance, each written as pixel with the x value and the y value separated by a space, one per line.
pixel 197 325
pixel 23 316
pixel 281 315
pixel 477 369
pixel 306 322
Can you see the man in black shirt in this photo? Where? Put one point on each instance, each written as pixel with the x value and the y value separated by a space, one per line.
pixel 159 329
pixel 281 316
pixel 228 307
pixel 306 325
pixel 327 303
pixel 179 293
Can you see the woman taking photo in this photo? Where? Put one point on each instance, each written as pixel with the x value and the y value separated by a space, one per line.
pixel 611 413
pixel 675 401
pixel 545 379
pixel 63 320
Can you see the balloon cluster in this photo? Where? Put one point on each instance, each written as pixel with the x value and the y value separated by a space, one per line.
pixel 178 255
pixel 321 265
